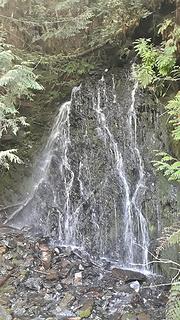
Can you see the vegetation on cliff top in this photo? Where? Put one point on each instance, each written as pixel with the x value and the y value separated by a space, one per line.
pixel 50 38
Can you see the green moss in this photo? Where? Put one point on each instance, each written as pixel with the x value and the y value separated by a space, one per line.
pixel 85 313
pixel 134 316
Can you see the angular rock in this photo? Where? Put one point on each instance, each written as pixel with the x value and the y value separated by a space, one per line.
pixel 87 308
pixel 33 284
pixel 78 279
pixel 4 314
pixel 73 318
pixel 81 268
pixel 128 275
pixel 53 275
pixel 136 316
pixel 135 285
pixel 66 267
pixel 3 249
pixel 46 254
pixel 68 299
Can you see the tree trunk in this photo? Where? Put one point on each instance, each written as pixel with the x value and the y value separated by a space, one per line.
pixel 178 12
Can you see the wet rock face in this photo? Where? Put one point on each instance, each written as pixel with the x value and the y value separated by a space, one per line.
pixel 96 187
pixel 30 292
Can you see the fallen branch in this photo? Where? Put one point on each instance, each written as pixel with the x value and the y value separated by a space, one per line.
pixel 11 206
pixel 42 272
pixel 161 285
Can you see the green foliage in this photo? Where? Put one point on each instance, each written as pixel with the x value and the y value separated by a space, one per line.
pixel 69 28
pixel 157 66
pixel 166 61
pixel 3 2
pixel 17 80
pixel 168 165
pixel 94 21
pixel 173 311
pixel 156 63
pixel 173 108
pixel 170 237
pixel 115 17
pixel 165 25
pixel 66 4
pixel 145 73
pixel 78 67
pixel 9 156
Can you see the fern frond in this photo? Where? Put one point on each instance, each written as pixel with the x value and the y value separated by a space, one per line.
pixel 16 80
pixel 165 25
pixel 173 307
pixel 9 156
pixel 3 2
pixel 170 237
pixel 64 5
pixel 169 165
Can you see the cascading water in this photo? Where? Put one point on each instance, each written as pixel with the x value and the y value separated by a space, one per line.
pixel 131 206
pixel 85 195
pixel 143 238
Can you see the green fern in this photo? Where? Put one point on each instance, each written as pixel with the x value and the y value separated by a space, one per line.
pixel 170 237
pixel 66 4
pixel 17 80
pixel 168 165
pixel 165 25
pixel 173 310
pixel 157 66
pixel 166 60
pixel 173 108
pixel 3 2
pixel 9 156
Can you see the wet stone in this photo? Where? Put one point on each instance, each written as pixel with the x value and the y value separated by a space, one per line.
pixel 87 307
pixel 5 314
pixel 128 275
pixel 78 279
pixel 67 299
pixel 33 284
pixel 34 292
pixel 136 316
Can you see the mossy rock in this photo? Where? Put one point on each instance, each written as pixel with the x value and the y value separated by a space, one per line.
pixel 86 309
pixel 5 314
pixel 134 316
pixel 85 313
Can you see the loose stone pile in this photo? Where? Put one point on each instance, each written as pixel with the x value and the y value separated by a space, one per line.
pixel 41 281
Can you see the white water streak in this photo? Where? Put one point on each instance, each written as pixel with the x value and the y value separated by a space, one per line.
pixel 130 203
pixel 107 135
pixel 43 167
pixel 143 238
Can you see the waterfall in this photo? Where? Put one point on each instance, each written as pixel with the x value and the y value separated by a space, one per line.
pixel 84 193
pixel 131 206
pixel 143 238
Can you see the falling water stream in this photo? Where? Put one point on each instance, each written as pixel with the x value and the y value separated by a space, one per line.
pixel 131 206
pixel 69 199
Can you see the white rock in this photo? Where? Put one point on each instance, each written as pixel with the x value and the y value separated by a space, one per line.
pixel 135 285
pixel 57 251
pixel 78 279
pixel 81 268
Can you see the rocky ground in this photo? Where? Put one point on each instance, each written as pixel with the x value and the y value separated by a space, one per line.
pixel 40 281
